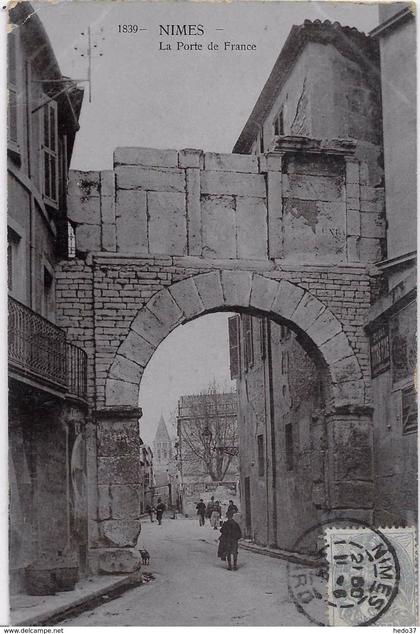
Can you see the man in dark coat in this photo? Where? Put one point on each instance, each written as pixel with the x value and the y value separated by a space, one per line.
pixel 160 508
pixel 228 544
pixel 201 512
pixel 231 510
pixel 210 507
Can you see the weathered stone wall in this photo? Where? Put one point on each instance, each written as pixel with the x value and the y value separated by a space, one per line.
pixel 306 200
pixel 123 285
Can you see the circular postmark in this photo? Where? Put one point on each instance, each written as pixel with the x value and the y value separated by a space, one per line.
pixel 349 574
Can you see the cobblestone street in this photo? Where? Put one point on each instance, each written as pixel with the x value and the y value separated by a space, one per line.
pixel 193 587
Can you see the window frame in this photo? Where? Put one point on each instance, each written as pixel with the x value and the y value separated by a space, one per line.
pixel 49 153
pixel 13 144
pixel 260 455
pixel 248 337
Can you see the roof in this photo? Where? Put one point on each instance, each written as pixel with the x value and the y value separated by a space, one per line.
pixel 348 40
pixel 43 56
pixel 162 434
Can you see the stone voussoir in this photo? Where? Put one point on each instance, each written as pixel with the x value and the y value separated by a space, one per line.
pixel 236 287
pixel 325 327
pixel 125 370
pixel 288 297
pixel 336 348
pixel 307 311
pixel 165 308
pixel 121 393
pixel 137 349
pixel 186 296
pixel 210 290
pixel 263 292
pixel 148 326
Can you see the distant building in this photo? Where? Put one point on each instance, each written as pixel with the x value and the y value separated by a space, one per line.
pixel 165 465
pixel 48 537
pixel 147 477
pixel 208 437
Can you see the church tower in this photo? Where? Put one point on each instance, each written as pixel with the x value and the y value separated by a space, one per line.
pixel 163 447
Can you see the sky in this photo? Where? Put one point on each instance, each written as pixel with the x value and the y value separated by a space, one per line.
pixel 143 96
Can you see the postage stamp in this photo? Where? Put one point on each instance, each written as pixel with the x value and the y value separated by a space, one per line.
pixel 372 576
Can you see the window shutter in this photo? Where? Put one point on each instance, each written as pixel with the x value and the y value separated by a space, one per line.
pixel 249 342
pixel 234 347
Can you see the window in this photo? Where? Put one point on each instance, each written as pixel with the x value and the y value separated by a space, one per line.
pixel 409 410
pixel 278 124
pixel 234 347
pixel 12 124
pixel 261 461
pixel 50 152
pixel 13 240
pixel 248 341
pixel 289 446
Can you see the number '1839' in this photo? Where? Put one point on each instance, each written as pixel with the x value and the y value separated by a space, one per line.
pixel 128 28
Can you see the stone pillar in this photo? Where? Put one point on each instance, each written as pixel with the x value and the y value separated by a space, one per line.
pixel 274 161
pixel 191 160
pixel 119 489
pixel 350 463
pixel 353 227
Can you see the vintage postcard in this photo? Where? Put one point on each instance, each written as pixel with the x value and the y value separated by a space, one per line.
pixel 211 250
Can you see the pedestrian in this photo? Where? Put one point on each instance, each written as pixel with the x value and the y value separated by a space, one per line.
pixel 160 508
pixel 216 514
pixel 231 510
pixel 201 512
pixel 209 509
pixel 150 510
pixel 228 543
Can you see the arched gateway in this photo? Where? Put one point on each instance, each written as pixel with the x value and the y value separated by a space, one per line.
pixel 167 237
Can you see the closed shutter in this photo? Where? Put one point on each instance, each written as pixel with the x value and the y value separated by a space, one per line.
pixel 234 347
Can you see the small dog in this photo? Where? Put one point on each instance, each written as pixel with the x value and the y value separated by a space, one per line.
pixel 145 557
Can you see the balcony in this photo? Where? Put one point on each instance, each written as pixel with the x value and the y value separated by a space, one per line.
pixel 38 351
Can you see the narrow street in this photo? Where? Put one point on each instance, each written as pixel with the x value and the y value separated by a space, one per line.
pixel 193 587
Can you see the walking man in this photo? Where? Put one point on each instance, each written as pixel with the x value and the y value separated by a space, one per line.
pixel 228 543
pixel 231 510
pixel 201 512
pixel 210 507
pixel 150 511
pixel 160 508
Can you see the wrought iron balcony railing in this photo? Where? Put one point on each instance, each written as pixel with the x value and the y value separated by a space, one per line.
pixel 38 349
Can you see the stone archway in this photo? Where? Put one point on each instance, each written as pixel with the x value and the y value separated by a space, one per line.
pixel 234 290
pixel 349 434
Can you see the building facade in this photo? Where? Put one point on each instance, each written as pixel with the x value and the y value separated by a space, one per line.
pixel 165 465
pixel 327 83
pixel 48 534
pixel 392 322
pixel 147 478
